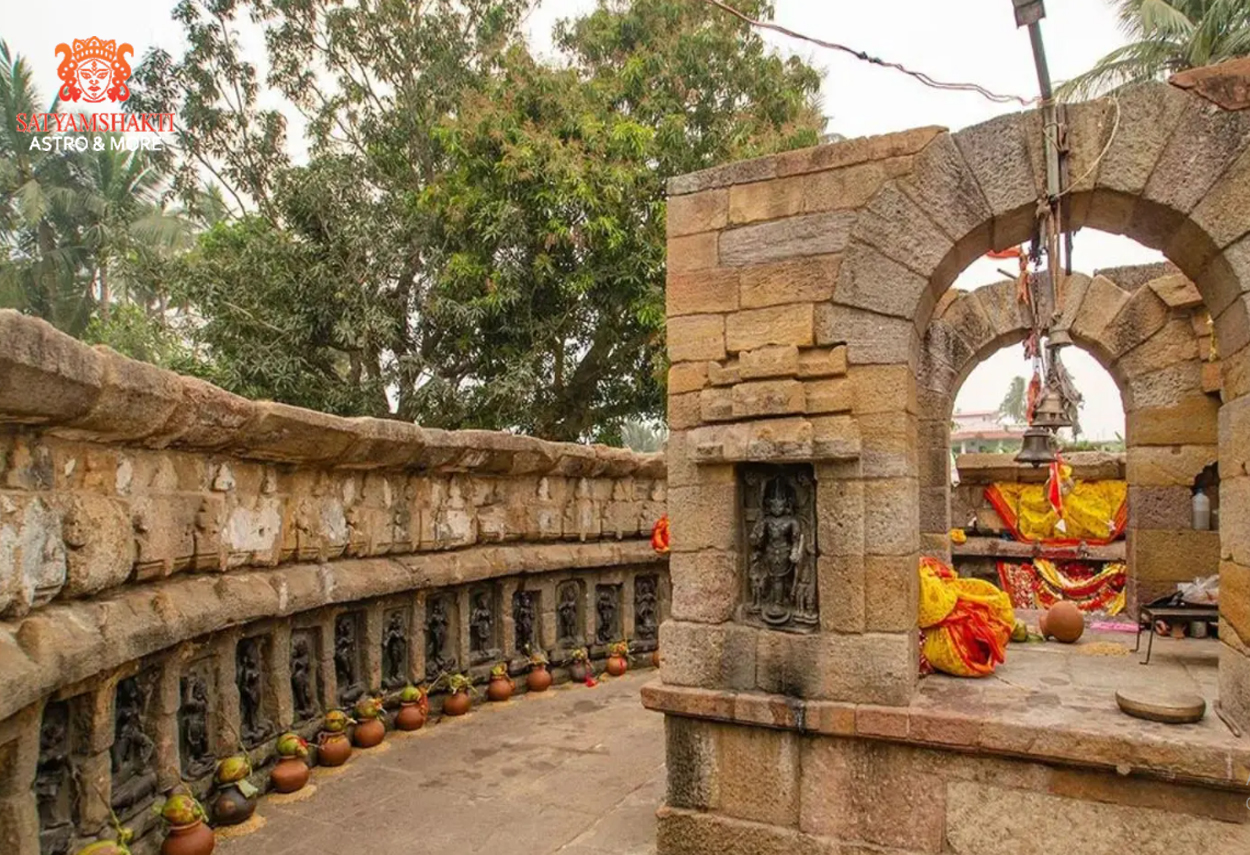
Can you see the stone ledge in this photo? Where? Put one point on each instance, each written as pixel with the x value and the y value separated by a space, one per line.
pixel 62 644
pixel 1211 757
pixel 93 393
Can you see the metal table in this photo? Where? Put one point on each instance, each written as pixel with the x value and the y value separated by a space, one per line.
pixel 1147 615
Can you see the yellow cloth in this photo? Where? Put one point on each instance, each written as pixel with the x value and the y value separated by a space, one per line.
pixel 966 622
pixel 1093 510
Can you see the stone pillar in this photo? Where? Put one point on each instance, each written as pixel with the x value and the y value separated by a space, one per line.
pixel 278 685
pixel 371 643
pixel 1235 566
pixel 19 757
pixel 166 698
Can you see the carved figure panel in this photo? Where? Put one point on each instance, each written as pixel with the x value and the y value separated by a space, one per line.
pixel 134 778
pixel 779 520
pixel 607 613
pixel 254 726
pixel 440 653
pixel 304 682
pixel 395 649
pixel 55 781
pixel 483 644
pixel 347 665
pixel 525 620
pixel 194 712
pixel 646 608
pixel 569 614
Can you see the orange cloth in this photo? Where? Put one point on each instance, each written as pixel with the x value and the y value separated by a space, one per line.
pixel 966 622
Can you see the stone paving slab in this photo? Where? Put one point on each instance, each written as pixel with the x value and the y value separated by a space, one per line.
pixel 575 770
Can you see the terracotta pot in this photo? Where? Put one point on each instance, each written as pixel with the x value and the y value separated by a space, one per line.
pixel 333 749
pixel 369 733
pixel 457 704
pixel 538 679
pixel 232 807
pixel 617 665
pixel 1063 621
pixel 578 671
pixel 655 658
pixel 411 716
pixel 499 689
pixel 290 774
pixel 194 839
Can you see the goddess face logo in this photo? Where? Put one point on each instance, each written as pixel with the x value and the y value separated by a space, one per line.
pixel 93 70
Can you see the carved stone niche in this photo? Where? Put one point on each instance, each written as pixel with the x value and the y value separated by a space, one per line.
pixel 483 626
pixel 348 665
pixel 646 607
pixel 395 649
pixel 440 635
pixel 134 777
pixel 607 613
pixel 778 516
pixel 56 781
pixel 251 657
pixel 195 711
pixel 526 608
pixel 305 684
pixel 569 619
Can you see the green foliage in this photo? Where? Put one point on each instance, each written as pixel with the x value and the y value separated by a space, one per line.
pixel 1015 403
pixel 1167 36
pixel 134 332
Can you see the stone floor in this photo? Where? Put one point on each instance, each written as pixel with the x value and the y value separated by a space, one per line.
pixel 575 770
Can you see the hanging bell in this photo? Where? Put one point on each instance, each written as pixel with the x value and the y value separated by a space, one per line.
pixel 1050 412
pixel 1036 448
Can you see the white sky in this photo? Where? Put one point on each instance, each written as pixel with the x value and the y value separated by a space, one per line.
pixel 956 40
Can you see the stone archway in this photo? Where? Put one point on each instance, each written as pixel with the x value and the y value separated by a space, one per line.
pixel 1152 338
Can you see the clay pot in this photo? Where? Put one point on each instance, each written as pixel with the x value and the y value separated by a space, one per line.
pixel 538 679
pixel 499 689
pixel 333 749
pixel 194 839
pixel 1063 621
pixel 369 733
pixel 290 774
pixel 617 665
pixel 578 671
pixel 410 716
pixel 232 807
pixel 457 704
pixel 655 658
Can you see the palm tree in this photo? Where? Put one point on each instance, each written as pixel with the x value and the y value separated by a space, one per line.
pixel 1014 404
pixel 1167 36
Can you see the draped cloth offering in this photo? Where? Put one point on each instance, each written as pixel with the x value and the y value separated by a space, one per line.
pixel 966 623
pixel 1040 583
pixel 1094 512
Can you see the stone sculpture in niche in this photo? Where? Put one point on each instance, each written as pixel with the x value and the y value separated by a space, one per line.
pixel 779 515
pixel 438 657
pixel 133 779
pixel 347 660
pixel 607 598
pixel 54 779
pixel 254 727
pixel 303 677
pixel 395 651
pixel 482 627
pixel 197 756
pixel 567 611
pixel 646 619
pixel 523 617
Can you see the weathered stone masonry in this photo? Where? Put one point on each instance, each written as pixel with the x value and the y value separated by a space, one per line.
pixel 181 567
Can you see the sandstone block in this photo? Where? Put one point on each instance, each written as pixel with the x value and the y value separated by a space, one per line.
pixel 1149 113
pixel 1235 506
pixel 683 411
pixel 891 592
pixel 1177 291
pixel 696 338
pixel 692 757
pixel 687 377
pixel 840 517
pixel 946 188
pixel 1232 325
pixel 1168 466
pixel 741 172
pixel 968 319
pixel 1234 435
pixel 997 152
pixel 1235 601
pixel 902 232
pixel 1141 317
pixel 697 212
pixel 710 656
pixel 794 237
pixel 774 361
pixel 889 446
pixel 1204 145
pixel 869 279
pixel 870 338
pixel 883 147
pixel 1175 555
pixel 1174 343
pixel 706 586
pixel 831 395
pixel 702 517
pixel 701 292
pixel 1191 421
pixel 1235 685
pixel 767 398
pixel 716 404
pixel 872 668
pixel 1159 507
pixel 1224 279
pixel 67 374
pixel 841 582
pixel 760 775
pixel 765 200
pixel 725 373
pixel 884 389
pixel 850 187
pixel 891 516
pixel 805 280
pixel 99 543
pixel 1212 380
pixel 1103 301
pixel 692 252
pixel 750 329
pixel 33 566
pixel 822 362
pixel 700 833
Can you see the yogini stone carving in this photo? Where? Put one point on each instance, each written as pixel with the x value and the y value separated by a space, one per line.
pixel 395 650
pixel 197 755
pixel 254 727
pixel 347 659
pixel 438 656
pixel 646 617
pixel 567 613
pixel 607 604
pixel 523 617
pixel 54 779
pixel 482 627
pixel 303 676
pixel 780 519
pixel 133 779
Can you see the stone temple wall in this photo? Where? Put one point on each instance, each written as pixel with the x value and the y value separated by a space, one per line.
pixel 161 540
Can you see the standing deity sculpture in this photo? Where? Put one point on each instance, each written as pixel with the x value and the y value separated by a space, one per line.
pixel 523 616
pixel 253 725
pixel 646 620
pixel 133 780
pixel 781 574
pixel 567 614
pixel 605 609
pixel 302 691
pixel 197 755
pixel 437 657
pixel 346 660
pixel 395 651
pixel 481 627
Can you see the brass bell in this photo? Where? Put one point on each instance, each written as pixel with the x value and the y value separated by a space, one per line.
pixel 1036 448
pixel 1050 412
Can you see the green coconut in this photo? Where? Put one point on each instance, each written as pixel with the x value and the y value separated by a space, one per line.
pixel 181 809
pixel 292 745
pixel 368 708
pixel 1020 632
pixel 410 695
pixel 233 769
pixel 105 847
pixel 336 721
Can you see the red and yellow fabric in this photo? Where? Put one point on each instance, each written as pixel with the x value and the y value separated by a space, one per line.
pixel 1094 512
pixel 966 623
pixel 660 537
pixel 1041 583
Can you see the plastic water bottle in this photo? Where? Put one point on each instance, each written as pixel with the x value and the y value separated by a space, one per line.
pixel 1202 511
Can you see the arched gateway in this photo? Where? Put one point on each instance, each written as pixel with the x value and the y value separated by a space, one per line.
pixel 801 297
